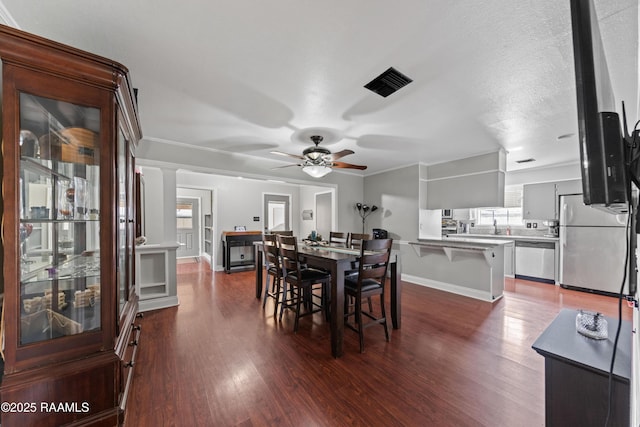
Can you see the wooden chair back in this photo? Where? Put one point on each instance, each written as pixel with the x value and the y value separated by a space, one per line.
pixel 338 238
pixel 282 232
pixel 289 262
pixel 355 240
pixel 374 261
pixel 271 253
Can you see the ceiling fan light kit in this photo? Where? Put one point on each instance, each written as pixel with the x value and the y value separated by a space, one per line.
pixel 316 171
pixel 318 161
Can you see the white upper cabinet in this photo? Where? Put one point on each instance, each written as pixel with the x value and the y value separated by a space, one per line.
pixel 539 201
pixel 571 186
pixel 467 183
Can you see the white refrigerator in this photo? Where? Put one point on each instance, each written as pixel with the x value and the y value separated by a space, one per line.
pixel 593 245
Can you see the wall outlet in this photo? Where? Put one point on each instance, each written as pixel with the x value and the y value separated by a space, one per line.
pixel 528 225
pixel 535 225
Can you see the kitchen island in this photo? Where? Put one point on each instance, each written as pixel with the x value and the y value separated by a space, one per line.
pixel 471 267
pixel 530 257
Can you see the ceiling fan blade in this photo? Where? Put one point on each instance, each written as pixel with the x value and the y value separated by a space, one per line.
pixel 340 154
pixel 286 166
pixel 344 165
pixel 295 156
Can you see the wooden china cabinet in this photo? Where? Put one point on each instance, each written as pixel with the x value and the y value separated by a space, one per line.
pixel 69 131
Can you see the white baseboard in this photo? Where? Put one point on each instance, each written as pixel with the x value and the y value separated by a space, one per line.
pixel 449 287
pixel 158 303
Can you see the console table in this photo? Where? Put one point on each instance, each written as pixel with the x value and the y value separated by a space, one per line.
pixel 237 249
pixel 577 370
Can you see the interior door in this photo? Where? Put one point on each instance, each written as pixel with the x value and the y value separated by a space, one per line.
pixel 323 214
pixel 188 227
pixel 276 212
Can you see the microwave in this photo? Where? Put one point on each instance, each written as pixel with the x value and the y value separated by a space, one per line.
pixel 447 213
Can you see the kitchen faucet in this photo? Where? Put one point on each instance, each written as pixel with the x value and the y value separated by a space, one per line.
pixel 495 226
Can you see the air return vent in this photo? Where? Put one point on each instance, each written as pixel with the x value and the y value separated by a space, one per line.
pixel 388 82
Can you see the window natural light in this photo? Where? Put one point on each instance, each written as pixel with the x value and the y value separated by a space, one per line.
pixel 510 215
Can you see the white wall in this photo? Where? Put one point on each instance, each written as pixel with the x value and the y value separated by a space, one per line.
pixel 396 194
pixel 349 187
pixel 203 194
pixel 237 201
pixel 308 202
pixel 159 205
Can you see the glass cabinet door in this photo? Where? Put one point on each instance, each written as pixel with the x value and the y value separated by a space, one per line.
pixel 59 219
pixel 126 220
pixel 122 221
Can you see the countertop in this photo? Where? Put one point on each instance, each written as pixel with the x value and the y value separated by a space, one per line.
pixel 465 243
pixel 502 237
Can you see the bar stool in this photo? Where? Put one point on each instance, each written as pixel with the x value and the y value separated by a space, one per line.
pixel 302 281
pixel 272 267
pixel 369 282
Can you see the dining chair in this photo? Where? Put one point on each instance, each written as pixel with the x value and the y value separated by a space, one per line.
pixel 369 282
pixel 301 279
pixel 338 238
pixel 282 232
pixel 354 241
pixel 272 267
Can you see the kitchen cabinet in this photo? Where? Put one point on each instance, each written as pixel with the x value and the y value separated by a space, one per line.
pixel 571 186
pixel 466 183
pixel 70 129
pixel 539 201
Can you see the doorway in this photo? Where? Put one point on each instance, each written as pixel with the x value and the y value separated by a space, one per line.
pixel 277 212
pixel 188 227
pixel 324 209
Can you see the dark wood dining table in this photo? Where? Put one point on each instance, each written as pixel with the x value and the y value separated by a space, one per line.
pixel 336 260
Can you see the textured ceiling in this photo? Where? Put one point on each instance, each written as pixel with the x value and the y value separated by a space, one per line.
pixel 250 77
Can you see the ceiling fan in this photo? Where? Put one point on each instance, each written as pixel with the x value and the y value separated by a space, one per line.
pixel 318 161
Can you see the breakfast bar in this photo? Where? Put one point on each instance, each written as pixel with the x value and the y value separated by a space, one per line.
pixel 470 267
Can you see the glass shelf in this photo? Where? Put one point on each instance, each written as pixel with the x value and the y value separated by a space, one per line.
pixel 59 225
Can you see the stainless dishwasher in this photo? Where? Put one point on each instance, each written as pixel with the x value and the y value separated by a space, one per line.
pixel 536 261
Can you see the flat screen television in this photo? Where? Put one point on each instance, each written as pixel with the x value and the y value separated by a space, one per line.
pixel 607 166
pixel 602 154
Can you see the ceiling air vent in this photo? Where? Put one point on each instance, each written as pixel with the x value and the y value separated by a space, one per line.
pixel 388 82
pixel 529 160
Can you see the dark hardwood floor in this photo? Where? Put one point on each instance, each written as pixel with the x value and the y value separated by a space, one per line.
pixel 219 359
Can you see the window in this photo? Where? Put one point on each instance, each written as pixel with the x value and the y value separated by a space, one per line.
pixel 503 216
pixel 509 215
pixel 184 215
